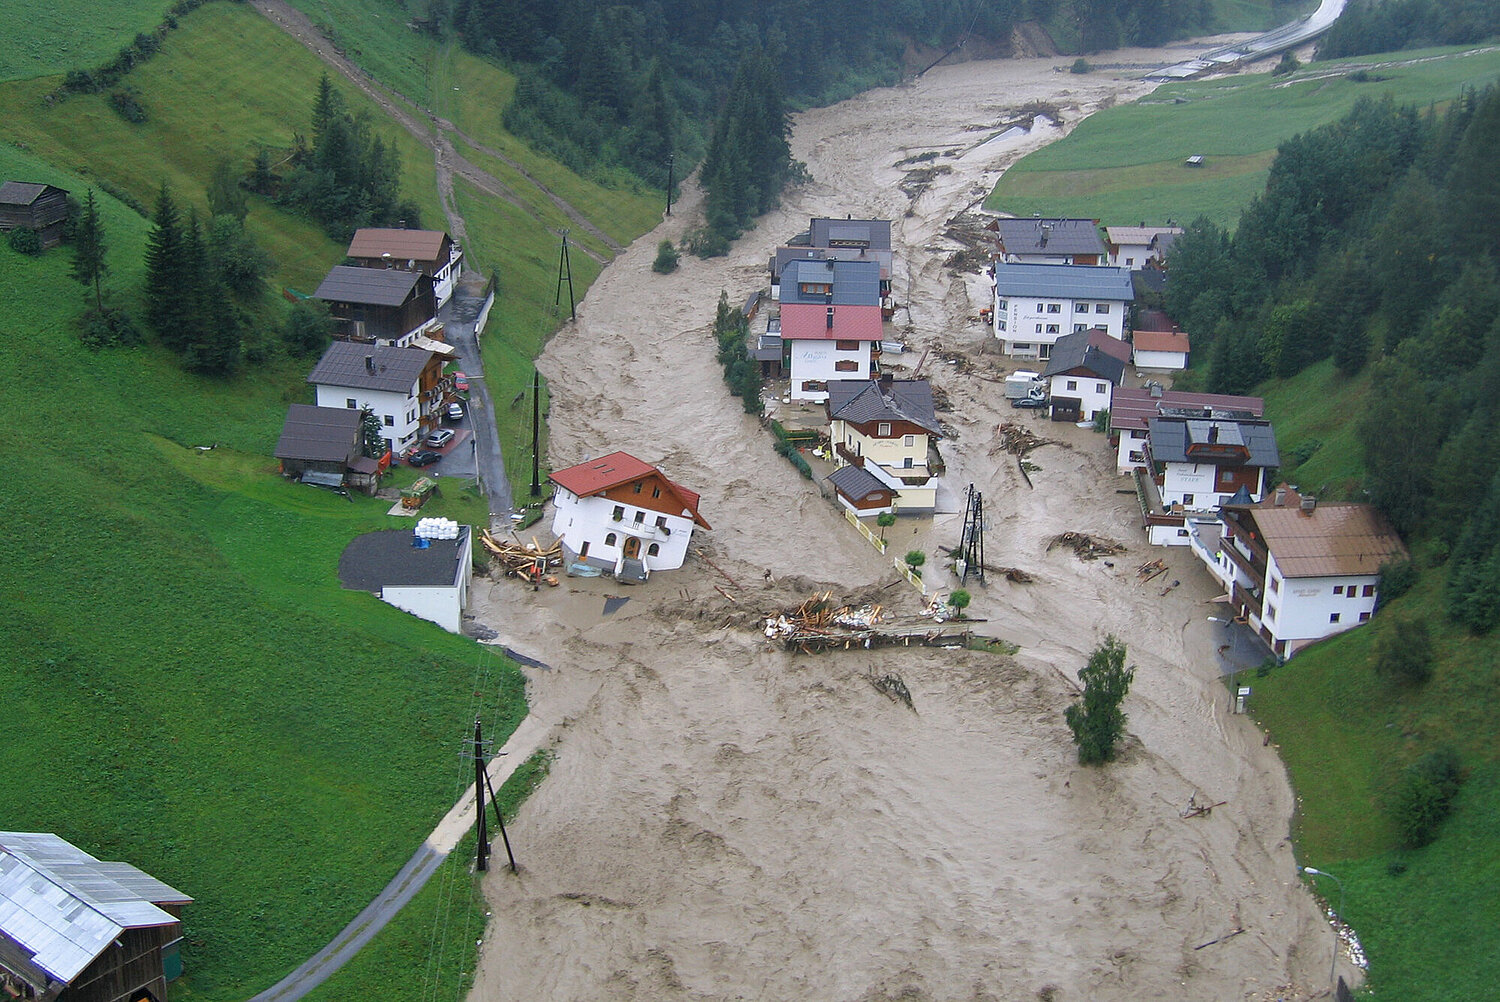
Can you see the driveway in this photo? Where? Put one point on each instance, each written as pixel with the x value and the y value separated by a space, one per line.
pixel 481 452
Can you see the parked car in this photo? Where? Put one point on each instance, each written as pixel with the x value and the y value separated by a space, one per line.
pixel 440 438
pixel 455 411
pixel 460 382
pixel 1029 402
pixel 423 457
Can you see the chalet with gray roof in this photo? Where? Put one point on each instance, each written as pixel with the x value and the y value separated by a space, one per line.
pixel 1195 464
pixel 786 255
pixel 325 446
pixel 1050 241
pixel 888 428
pixel 378 305
pixel 1035 304
pixel 830 282
pixel 74 928
pixel 1084 369
pixel 404 387
pixel 34 206
pixel 432 252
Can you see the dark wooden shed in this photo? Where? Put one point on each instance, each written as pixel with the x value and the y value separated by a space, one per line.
pixel 378 306
pixel 40 207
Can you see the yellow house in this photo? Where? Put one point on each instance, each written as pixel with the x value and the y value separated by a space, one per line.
pixel 888 428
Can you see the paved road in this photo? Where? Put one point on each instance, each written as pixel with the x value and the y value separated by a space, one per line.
pixel 481 452
pixel 1278 40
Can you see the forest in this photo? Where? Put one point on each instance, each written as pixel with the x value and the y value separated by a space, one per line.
pixel 1391 25
pixel 1376 242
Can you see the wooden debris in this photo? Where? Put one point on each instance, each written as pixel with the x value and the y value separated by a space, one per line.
pixel 1228 935
pixel 530 562
pixel 726 594
pixel 704 556
pixel 1150 569
pixel 893 686
pixel 818 625
pixel 1017 440
pixel 1197 810
pixel 1087 547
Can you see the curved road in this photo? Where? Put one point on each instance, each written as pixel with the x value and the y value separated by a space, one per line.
pixel 1288 36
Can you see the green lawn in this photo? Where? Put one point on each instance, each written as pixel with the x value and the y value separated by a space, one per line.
pixel 1125 164
pixel 48 39
pixel 1318 405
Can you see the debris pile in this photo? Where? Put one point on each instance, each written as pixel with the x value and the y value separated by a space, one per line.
pixel 528 561
pixel 1016 440
pixel 1087 547
pixel 893 686
pixel 1150 569
pixel 820 625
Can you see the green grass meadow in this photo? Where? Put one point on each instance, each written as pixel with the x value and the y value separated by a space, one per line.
pixel 48 39
pixel 1125 164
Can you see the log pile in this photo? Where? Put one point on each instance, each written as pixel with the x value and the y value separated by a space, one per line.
pixel 1018 441
pixel 528 561
pixel 819 625
pixel 1087 547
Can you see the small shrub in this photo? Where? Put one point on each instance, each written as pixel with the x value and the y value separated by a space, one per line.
pixel 1403 653
pixel 108 328
pixel 1101 421
pixel 1424 797
pixel 127 105
pixel 915 559
pixel 1396 579
pixel 1080 66
pixel 81 81
pixel 24 240
pixel 667 257
pixel 1289 64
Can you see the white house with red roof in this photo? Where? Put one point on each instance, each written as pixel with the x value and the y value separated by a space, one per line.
pixel 829 341
pixel 624 516
pixel 1165 350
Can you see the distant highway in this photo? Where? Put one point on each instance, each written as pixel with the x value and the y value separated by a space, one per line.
pixel 1288 36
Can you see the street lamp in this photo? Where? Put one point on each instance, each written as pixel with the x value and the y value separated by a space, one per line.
pixel 1338 917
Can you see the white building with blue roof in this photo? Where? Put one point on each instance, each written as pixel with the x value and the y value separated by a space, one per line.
pixel 1035 304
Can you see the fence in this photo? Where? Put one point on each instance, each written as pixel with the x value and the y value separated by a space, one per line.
pixel 911 576
pixel 864 531
pixel 490 288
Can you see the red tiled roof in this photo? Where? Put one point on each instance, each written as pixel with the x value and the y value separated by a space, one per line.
pixel 1161 341
pixel 809 322
pixel 1131 408
pixel 598 475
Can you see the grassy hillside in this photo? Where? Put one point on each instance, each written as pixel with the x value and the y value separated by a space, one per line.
pixel 48 39
pixel 1125 164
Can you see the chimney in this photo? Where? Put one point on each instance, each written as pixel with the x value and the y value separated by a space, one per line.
pixel 830 318
pixel 369 363
pixel 886 379
pixel 1213 434
pixel 1280 497
pixel 1156 389
pixel 1308 504
pixel 1046 232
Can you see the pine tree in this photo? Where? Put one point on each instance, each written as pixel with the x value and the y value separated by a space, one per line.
pixel 165 273
pixel 225 196
pixel 89 264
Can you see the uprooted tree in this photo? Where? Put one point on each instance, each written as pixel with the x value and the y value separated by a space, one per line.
pixel 1096 720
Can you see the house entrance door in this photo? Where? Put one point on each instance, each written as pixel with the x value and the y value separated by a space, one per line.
pixel 632 548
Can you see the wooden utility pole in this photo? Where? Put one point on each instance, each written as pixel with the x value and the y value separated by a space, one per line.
pixel 536 422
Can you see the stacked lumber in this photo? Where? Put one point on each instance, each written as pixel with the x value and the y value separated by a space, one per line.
pixel 528 561
pixel 1087 547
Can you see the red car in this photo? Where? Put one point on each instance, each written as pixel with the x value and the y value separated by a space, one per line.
pixel 460 382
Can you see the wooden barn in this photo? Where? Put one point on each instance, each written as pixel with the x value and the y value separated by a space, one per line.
pixel 77 929
pixel 378 306
pixel 323 445
pixel 40 207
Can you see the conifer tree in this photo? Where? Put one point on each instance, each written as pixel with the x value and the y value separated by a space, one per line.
pixel 166 273
pixel 89 264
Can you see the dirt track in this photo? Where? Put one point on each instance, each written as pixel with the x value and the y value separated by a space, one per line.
pixel 726 820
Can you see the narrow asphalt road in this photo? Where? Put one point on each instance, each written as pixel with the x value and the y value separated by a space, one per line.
pixel 483 457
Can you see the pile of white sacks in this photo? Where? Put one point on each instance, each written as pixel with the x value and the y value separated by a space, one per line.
pixel 437 528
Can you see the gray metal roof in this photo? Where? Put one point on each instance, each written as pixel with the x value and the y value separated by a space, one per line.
pixel 855 283
pixel 1050 236
pixel 785 255
pixel 369 286
pixel 1080 350
pixel 378 560
pixel 63 907
pixel 861 401
pixel 854 483
pixel 369 367
pixel 23 192
pixel 1170 438
pixel 1064 281
pixel 321 434
pixel 875 233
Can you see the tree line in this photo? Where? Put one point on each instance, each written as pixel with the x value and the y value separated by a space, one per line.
pixel 1377 242
pixel 1391 25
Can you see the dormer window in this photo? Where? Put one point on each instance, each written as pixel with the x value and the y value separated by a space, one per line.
pixel 883 430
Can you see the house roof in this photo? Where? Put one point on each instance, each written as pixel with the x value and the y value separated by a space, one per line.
pixel 369 286
pixel 1160 341
pixel 320 434
pixel 1064 281
pixel 855 483
pixel 23 192
pixel 855 283
pixel 1131 408
pixel 64 908
pixel 1253 442
pixel 1050 236
pixel 809 322
pixel 369 367
pixel 1137 234
pixel 862 401
pixel 387 558
pixel 1091 350
pixel 595 476
pixel 1329 541
pixel 874 233
pixel 401 245
pixel 785 255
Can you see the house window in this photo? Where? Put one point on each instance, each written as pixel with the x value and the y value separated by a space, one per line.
pixel 1072 384
pixel 1052 328
pixel 640 516
pixel 351 403
pixel 1038 328
pixel 653 549
pixel 1003 305
pixel 1187 499
pixel 844 344
pixel 908 463
pixel 609 540
pixel 1054 307
pixel 1101 307
pixel 661 521
pixel 1333 617
pixel 585 551
pixel 656 491
pixel 1040 307
pixel 618 513
pixel 813 386
pixel 390 420
pixel 883 430
pixel 1081 308
pixel 1364 617
pixel 1098 387
pixel 1080 328
pixel 1003 325
pixel 1275 586
pixel 638 485
pixel 1270 611
pixel 1369 591
pixel 1338 589
pixel 1130 262
pixel 846 365
pixel 909 441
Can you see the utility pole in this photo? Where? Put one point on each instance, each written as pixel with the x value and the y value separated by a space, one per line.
pixel 482 850
pixel 536 422
pixel 970 554
pixel 671 161
pixel 500 823
pixel 565 270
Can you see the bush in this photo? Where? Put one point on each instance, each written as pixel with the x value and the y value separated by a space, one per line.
pixel 108 328
pixel 1289 64
pixel 1424 797
pixel 1396 579
pixel 666 258
pixel 787 449
pixel 24 240
pixel 127 106
pixel 1403 653
pixel 1080 65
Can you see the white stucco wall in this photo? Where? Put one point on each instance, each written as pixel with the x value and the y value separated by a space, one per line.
pixel 818 360
pixel 1132 256
pixel 1018 317
pixel 1130 442
pixel 403 408
pixel 438 605
pixel 1094 393
pixel 1301 609
pixel 591 520
pixel 1160 359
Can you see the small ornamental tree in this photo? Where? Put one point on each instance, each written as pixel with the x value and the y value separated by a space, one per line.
pixel 1403 653
pixel 958 601
pixel 885 520
pixel 914 560
pixel 1097 721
